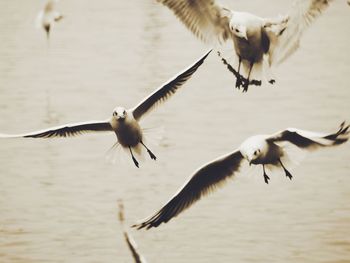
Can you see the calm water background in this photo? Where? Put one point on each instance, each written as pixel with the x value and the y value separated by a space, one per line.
pixel 58 198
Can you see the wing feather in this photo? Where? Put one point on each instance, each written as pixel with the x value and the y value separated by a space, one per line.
pixel 166 90
pixel 65 130
pixel 203 181
pixel 302 15
pixel 204 18
pixel 311 140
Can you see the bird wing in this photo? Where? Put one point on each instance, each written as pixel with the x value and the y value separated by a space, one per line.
pixel 285 36
pixel 166 90
pixel 204 18
pixel 202 182
pixel 65 130
pixel 57 16
pixel 312 140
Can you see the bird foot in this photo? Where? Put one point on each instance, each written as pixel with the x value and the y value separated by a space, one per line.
pixel 288 174
pixel 245 86
pixel 135 162
pixel 266 178
pixel 238 83
pixel 153 157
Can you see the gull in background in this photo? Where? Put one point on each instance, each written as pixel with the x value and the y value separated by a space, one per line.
pixel 259 43
pixel 259 150
pixel 138 258
pixel 124 122
pixel 48 16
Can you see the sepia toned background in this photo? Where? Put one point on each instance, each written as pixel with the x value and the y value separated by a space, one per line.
pixel 58 198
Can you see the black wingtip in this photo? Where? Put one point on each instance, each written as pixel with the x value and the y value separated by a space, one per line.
pixel 140 226
pixel 205 55
pixel 341 136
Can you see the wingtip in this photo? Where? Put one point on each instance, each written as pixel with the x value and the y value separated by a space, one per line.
pixel 208 52
pixel 139 226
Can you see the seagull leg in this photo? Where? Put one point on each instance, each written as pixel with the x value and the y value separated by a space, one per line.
pixel 266 178
pixel 153 157
pixel 288 174
pixel 239 78
pixel 246 83
pixel 133 158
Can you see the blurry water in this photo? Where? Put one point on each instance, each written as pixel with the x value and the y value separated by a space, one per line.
pixel 58 198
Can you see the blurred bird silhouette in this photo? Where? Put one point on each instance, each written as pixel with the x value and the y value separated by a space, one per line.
pixel 124 122
pixel 258 150
pixel 48 16
pixel 138 258
pixel 259 43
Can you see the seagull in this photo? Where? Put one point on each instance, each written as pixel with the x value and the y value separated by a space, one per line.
pixel 124 122
pixel 48 16
pixel 258 150
pixel 259 43
pixel 137 256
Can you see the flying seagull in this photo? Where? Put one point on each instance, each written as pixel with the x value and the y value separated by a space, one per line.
pixel 137 256
pixel 259 43
pixel 124 122
pixel 48 16
pixel 258 150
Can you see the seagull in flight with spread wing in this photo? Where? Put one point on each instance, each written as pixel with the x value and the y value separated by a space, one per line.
pixel 259 43
pixel 124 122
pixel 48 16
pixel 258 150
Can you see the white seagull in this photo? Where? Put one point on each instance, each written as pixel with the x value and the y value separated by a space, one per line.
pixel 259 150
pixel 48 16
pixel 124 122
pixel 259 43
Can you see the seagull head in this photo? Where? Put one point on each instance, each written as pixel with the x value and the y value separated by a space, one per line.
pixel 119 113
pixel 238 29
pixel 253 155
pixel 254 149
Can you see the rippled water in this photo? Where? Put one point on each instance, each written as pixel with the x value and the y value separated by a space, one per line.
pixel 58 198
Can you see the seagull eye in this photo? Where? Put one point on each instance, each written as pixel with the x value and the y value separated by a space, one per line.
pixel 237 30
pixel 256 152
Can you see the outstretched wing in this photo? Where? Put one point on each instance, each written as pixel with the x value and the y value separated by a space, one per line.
pixel 205 18
pixel 285 38
pixel 312 140
pixel 201 183
pixel 65 130
pixel 166 90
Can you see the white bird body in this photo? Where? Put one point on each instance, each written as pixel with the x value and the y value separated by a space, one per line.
pixel 258 150
pixel 259 43
pixel 124 123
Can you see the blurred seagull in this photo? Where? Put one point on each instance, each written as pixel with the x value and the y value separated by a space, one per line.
pixel 48 16
pixel 260 149
pixel 138 258
pixel 259 43
pixel 124 122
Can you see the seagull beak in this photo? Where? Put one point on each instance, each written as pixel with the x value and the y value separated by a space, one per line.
pixel 245 36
